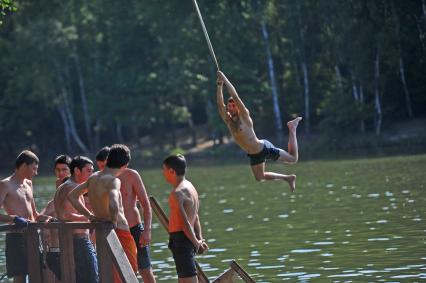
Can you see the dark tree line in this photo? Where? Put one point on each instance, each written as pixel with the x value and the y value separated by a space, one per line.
pixel 76 75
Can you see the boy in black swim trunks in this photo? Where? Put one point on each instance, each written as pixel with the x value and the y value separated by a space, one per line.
pixel 184 223
pixel 237 117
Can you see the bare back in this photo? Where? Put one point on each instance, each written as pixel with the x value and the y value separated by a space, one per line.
pixel 17 199
pixel 186 195
pixel 105 198
pixel 132 190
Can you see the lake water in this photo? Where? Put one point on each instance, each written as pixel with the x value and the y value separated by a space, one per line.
pixel 348 221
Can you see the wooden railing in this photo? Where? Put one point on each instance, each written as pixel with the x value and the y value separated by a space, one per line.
pixel 108 249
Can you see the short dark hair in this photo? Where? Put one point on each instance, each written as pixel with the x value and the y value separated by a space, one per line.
pixel 177 162
pixel 79 162
pixel 102 154
pixel 26 156
pixel 63 159
pixel 119 155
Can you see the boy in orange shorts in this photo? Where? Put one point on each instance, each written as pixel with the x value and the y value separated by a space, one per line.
pixel 103 188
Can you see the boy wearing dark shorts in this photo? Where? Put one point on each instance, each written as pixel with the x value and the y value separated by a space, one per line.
pixel 184 223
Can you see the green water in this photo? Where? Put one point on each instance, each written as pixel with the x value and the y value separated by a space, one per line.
pixel 348 221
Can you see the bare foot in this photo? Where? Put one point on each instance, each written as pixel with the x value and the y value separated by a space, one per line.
pixel 292 125
pixel 291 179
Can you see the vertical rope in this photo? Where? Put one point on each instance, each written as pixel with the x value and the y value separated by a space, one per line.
pixel 206 35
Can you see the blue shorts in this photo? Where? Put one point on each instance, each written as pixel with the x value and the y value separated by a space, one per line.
pixel 86 263
pixel 144 260
pixel 183 253
pixel 269 151
pixel 16 254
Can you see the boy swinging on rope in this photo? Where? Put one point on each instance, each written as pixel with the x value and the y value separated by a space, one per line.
pixel 237 117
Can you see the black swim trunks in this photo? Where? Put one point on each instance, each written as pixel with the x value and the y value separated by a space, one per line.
pixel 269 151
pixel 183 253
pixel 53 261
pixel 144 260
pixel 16 254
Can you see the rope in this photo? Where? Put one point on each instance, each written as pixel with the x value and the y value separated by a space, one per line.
pixel 206 35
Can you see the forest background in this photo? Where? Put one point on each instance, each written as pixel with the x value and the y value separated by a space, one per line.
pixel 77 75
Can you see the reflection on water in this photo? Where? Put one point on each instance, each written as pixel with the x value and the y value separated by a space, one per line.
pixel 348 221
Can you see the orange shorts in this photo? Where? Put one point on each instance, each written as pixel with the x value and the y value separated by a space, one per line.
pixel 129 247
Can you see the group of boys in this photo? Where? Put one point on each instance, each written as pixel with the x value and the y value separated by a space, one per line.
pixel 112 195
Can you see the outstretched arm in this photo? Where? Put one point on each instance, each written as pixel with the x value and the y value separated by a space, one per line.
pixel 233 93
pixel 219 97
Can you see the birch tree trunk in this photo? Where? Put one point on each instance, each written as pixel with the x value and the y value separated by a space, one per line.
pixel 377 104
pixel 273 82
pixel 304 67
pixel 361 101
pixel 66 128
pixel 339 80
pixel 83 97
pixel 401 64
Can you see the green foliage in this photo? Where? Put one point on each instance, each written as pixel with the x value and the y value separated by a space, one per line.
pixel 146 71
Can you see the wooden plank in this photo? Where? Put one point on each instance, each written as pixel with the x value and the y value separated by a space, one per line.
pixel 161 215
pixel 33 250
pixel 104 256
pixel 66 255
pixel 229 276
pixel 241 272
pixel 120 259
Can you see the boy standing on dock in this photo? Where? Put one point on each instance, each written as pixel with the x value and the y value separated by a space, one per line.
pixel 184 225
pixel 86 265
pixel 103 188
pixel 16 198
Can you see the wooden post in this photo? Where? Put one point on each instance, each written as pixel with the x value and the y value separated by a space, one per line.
pixel 33 250
pixel 66 254
pixel 229 276
pixel 241 272
pixel 104 256
pixel 120 258
pixel 202 277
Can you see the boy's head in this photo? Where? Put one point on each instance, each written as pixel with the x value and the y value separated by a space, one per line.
pixel 62 166
pixel 119 156
pixel 81 168
pixel 101 157
pixel 173 166
pixel 27 164
pixel 232 108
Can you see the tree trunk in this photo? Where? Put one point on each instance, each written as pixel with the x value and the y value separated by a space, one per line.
pixel 190 124
pixel 66 128
pixel 273 82
pixel 119 132
pixel 339 81
pixel 377 104
pixel 361 101
pixel 354 88
pixel 424 11
pixel 83 97
pixel 401 64
pixel 304 67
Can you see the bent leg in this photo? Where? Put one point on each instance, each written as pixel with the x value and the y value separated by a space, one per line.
pixel 292 156
pixel 260 175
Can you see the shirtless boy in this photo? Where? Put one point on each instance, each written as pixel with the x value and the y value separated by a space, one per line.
pixel 103 188
pixel 101 157
pixel 50 236
pixel 16 198
pixel 237 117
pixel 86 266
pixel 133 190
pixel 184 223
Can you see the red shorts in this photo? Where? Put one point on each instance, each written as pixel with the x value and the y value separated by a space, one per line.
pixel 129 247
